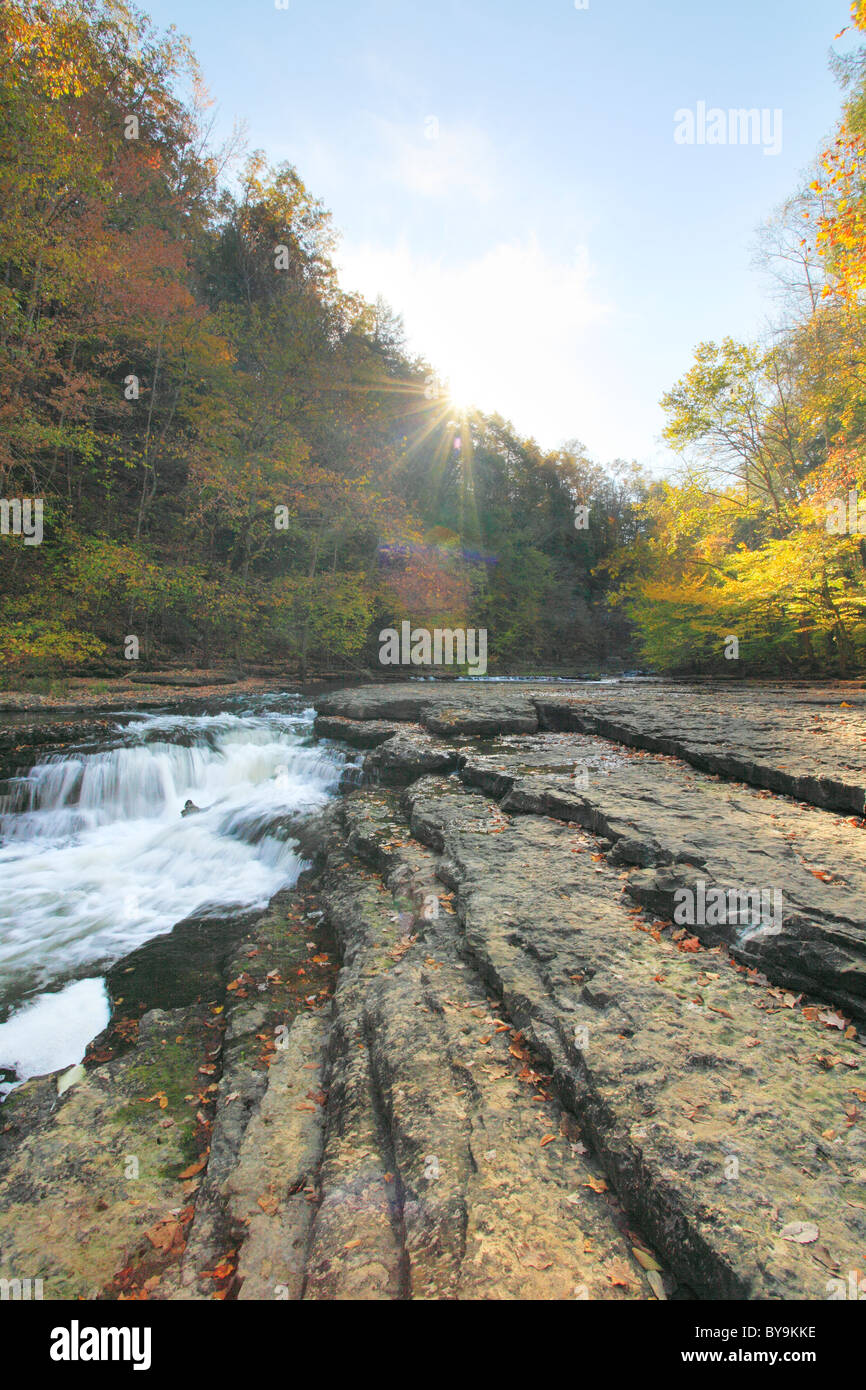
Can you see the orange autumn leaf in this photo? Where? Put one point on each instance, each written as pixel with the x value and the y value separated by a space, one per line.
pixel 194 1168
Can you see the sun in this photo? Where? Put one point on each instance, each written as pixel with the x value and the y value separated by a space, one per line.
pixel 459 399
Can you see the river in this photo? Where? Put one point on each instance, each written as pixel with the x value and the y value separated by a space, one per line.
pixel 96 857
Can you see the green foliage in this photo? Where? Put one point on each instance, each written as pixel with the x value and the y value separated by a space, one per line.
pixel 39 646
pixel 775 440
pixel 237 458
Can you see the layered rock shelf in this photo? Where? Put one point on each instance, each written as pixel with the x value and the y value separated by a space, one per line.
pixel 481 1051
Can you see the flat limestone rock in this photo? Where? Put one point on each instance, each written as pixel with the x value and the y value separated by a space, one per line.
pixel 806 741
pixel 676 828
pixel 802 740
pixel 450 1170
pixel 268 1188
pixel 94 1184
pixel 448 708
pixel 720 1113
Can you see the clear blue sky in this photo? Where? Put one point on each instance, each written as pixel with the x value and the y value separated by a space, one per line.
pixel 553 251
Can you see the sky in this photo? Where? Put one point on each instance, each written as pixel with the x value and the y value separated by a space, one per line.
pixel 506 173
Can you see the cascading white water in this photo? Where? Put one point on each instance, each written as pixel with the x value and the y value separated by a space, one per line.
pixel 96 858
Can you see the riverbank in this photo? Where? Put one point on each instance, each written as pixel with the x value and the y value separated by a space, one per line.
pixel 77 695
pixel 474 1054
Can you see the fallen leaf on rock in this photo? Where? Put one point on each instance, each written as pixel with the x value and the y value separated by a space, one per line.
pixel 821 1255
pixel 548 1139
pixel 194 1168
pixel 536 1259
pixel 656 1283
pixel 165 1234
pixel 269 1204
pixel 834 1020
pixel 619 1274
pixel 597 1184
pixel 803 1232
pixel 644 1258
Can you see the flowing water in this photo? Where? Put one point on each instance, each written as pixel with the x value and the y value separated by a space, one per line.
pixel 96 857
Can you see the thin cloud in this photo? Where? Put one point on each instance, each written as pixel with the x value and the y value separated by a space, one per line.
pixel 435 159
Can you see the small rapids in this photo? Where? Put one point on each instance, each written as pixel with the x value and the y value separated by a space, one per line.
pixel 96 858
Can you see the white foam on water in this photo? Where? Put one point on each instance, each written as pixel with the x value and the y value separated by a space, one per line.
pixel 53 1031
pixel 96 858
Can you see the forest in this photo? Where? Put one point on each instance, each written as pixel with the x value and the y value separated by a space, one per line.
pixel 242 464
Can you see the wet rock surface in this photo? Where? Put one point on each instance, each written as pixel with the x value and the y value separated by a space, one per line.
pixel 21 744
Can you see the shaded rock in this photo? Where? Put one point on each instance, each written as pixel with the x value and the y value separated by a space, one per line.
pixel 360 734
pixel 407 756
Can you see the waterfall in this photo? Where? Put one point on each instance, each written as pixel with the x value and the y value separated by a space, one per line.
pixel 96 857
